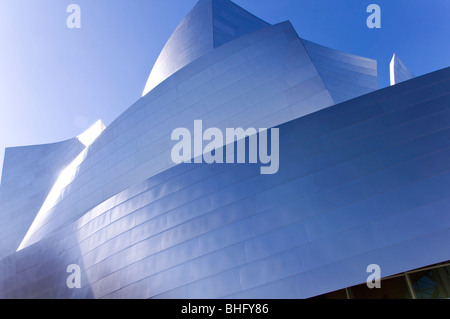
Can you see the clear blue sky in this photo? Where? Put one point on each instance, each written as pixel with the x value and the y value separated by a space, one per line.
pixel 55 82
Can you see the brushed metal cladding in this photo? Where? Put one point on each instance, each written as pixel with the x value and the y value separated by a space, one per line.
pixel 231 21
pixel 345 75
pixel 190 40
pixel 366 181
pixel 210 24
pixel 29 173
pixel 398 71
pixel 261 79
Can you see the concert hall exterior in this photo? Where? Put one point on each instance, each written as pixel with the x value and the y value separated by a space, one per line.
pixel 363 179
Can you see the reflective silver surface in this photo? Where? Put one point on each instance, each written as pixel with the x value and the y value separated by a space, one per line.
pixel 364 181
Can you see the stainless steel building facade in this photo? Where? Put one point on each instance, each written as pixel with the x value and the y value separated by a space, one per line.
pixel 363 177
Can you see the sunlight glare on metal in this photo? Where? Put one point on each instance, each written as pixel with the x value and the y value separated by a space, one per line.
pixel 91 134
pixel 65 178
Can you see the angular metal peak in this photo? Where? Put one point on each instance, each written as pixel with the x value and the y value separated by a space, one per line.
pixel 209 25
pixel 398 71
